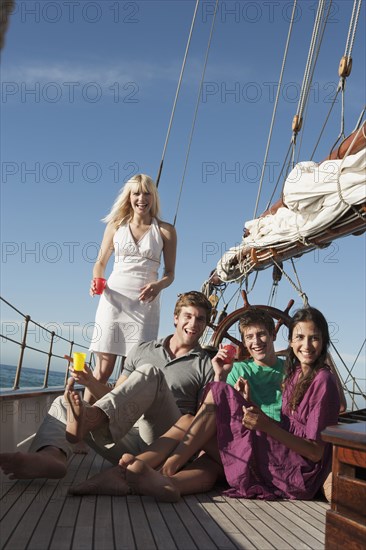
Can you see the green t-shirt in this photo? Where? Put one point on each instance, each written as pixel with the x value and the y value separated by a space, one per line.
pixel 264 383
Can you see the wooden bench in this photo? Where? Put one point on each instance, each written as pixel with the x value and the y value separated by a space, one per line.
pixel 346 520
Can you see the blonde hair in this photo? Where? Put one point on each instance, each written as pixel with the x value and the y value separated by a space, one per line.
pixel 121 211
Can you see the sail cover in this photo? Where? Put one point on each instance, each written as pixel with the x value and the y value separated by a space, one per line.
pixel 315 195
pixel 314 200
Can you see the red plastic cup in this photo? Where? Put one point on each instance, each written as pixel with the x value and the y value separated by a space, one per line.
pixel 99 284
pixel 231 352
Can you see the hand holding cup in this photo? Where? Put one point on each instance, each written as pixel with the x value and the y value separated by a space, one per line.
pixel 231 352
pixel 99 284
pixel 79 360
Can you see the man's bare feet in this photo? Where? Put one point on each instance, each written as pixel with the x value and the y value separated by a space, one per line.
pixel 49 462
pixel 81 417
pixel 172 465
pixel 143 480
pixel 110 482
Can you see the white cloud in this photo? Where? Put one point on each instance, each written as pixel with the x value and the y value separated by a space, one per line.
pixel 60 73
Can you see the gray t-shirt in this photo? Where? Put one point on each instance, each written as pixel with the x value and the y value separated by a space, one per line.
pixel 186 376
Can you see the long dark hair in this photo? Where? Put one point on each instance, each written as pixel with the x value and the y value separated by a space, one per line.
pixel 305 315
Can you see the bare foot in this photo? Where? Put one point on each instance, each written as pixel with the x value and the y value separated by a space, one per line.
pixel 327 487
pixel 81 417
pixel 49 462
pixel 172 465
pixel 110 482
pixel 143 480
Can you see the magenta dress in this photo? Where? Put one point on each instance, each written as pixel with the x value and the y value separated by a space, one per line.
pixel 258 466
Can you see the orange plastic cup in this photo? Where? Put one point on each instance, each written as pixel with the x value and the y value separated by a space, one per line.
pixel 79 360
pixel 99 284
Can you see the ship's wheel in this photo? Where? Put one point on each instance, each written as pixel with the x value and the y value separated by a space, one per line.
pixel 221 330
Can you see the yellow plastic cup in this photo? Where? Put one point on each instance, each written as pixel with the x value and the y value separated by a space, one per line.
pixel 79 360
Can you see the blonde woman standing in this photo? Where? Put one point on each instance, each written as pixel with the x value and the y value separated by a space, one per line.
pixel 129 308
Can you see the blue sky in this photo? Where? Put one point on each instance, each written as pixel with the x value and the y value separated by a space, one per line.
pixel 87 92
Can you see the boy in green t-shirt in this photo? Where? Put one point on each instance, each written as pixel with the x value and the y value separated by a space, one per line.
pixel 263 372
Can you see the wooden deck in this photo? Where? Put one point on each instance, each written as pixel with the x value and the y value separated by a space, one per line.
pixel 39 515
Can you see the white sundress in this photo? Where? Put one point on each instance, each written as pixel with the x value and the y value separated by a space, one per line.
pixel 121 319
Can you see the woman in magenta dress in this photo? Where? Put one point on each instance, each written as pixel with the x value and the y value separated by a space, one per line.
pixel 261 458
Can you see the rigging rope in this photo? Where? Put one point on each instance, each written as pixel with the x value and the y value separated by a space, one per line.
pixel 325 123
pixel 345 65
pixel 297 288
pixel 275 106
pixel 344 72
pixel 354 380
pixel 196 111
pixel 313 54
pixel 352 28
pixel 306 79
pixel 280 175
pixel 177 93
pixel 355 361
pixel 318 46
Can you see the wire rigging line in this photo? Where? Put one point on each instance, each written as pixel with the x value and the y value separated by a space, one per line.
pixel 341 85
pixel 314 48
pixel 310 60
pixel 311 75
pixel 353 379
pixel 325 123
pixel 345 65
pixel 355 361
pixel 196 111
pixel 284 164
pixel 275 106
pixel 359 119
pixel 177 93
pixel 352 27
pixel 297 287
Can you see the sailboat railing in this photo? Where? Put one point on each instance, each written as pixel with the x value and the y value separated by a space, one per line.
pixel 49 351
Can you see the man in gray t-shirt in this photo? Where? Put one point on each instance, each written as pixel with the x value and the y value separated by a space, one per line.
pixel 161 381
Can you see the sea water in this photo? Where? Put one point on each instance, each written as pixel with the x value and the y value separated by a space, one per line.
pixel 29 378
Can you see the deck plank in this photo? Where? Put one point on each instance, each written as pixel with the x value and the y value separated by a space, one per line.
pixel 44 530
pixel 67 521
pixel 260 530
pixel 103 522
pixel 197 532
pixel 265 524
pixel 140 525
pixel 11 490
pixel 198 505
pixel 309 514
pixel 84 529
pixel 229 521
pixel 176 526
pixel 303 530
pixel 162 535
pixel 28 507
pixel 40 515
pixel 285 528
pixel 123 534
